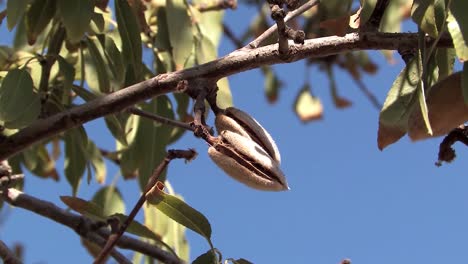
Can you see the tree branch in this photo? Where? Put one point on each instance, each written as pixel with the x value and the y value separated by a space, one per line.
pixel 81 224
pixel 7 255
pixel 235 62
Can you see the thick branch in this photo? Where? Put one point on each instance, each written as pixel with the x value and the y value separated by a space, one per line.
pixel 235 62
pixel 77 223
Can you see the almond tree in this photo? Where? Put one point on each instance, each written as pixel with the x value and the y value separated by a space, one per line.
pixel 72 62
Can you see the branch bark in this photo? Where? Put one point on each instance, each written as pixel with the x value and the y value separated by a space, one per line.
pixel 81 224
pixel 235 62
pixel 7 255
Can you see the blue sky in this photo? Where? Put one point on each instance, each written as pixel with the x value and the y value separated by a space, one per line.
pixel 347 198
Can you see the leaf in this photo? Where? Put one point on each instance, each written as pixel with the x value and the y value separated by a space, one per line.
pixel 114 59
pixel 76 156
pixel 99 65
pixel 148 148
pixel 38 16
pixel 130 35
pixel 110 200
pixel 429 15
pixel 68 72
pixel 86 208
pixel 393 119
pixel 447 109
pixel 339 101
pixel 137 228
pixel 180 212
pixel 458 10
pixel 461 47
pixel 19 105
pixel 208 257
pixel 37 160
pixel 97 162
pixel 14 11
pixel 76 16
pixel 180 31
pixel 224 96
pixel 307 106
pixel 272 84
pixel 445 59
pixel 240 261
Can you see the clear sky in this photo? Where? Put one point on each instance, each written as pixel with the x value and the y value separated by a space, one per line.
pixel 347 198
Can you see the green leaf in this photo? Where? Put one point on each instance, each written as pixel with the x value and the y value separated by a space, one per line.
pixel 208 257
pixel 68 72
pixel 429 15
pixel 148 148
pixel 180 212
pixel 14 11
pixel 99 64
pixel 89 209
pixel 38 16
pixel 114 59
pixel 240 261
pixel 76 16
pixel 400 99
pixel 76 156
pixel 130 34
pixel 461 47
pixel 138 229
pixel 458 9
pixel 19 105
pixel 110 200
pixel 445 59
pixel 464 82
pixel 224 96
pixel 272 84
pixel 180 31
pixel 97 162
pixel 307 106
pixel 37 160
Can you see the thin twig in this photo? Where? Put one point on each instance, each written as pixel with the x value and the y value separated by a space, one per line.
pixel 171 154
pixel 306 6
pixel 230 35
pixel 76 222
pixel 372 98
pixel 278 15
pixel 160 119
pixel 446 151
pixel 7 255
pixel 237 61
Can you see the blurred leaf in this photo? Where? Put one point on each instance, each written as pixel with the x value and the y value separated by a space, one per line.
pixel 393 119
pixel 97 162
pixel 97 24
pixel 130 34
pixel 307 106
pixel 86 208
pixel 19 105
pixel 99 65
pixel 391 22
pixel 180 31
pixel 340 102
pixel 38 16
pixel 272 84
pixel 208 257
pixel 114 59
pixel 240 261
pixel 14 11
pixel 461 47
pixel 180 212
pixel 336 26
pixel 37 160
pixel 148 148
pixel 76 156
pixel 458 10
pixel 137 228
pixel 445 59
pixel 76 16
pixel 429 15
pixel 110 200
pixel 224 96
pixel 68 72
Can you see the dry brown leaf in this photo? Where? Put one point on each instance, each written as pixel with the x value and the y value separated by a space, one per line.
pixel 446 108
pixel 387 135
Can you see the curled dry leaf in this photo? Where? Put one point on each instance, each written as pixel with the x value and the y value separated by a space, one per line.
pixel 244 160
pixel 446 108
